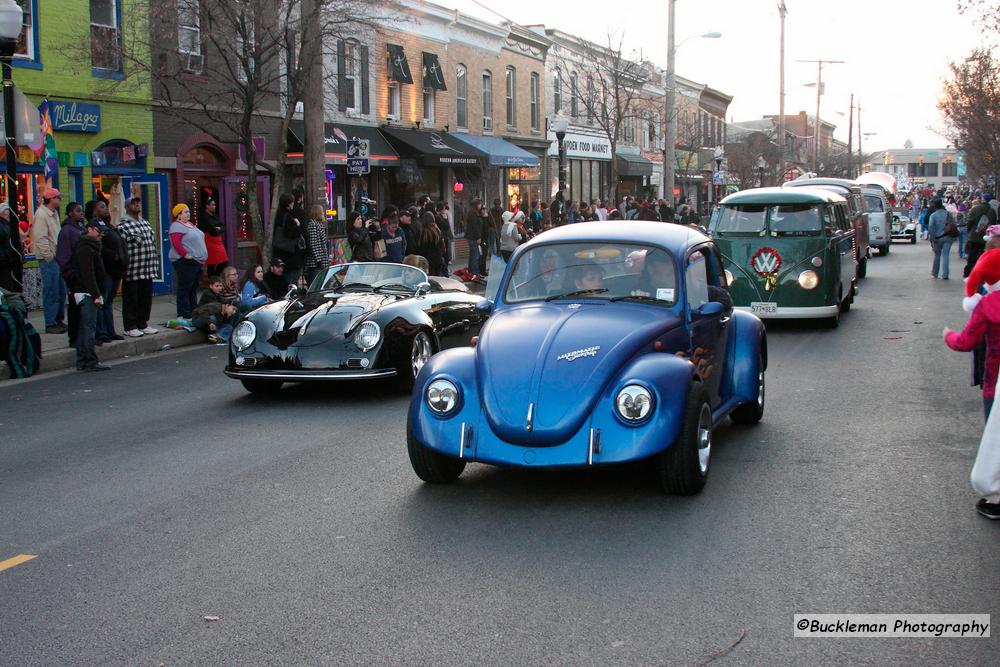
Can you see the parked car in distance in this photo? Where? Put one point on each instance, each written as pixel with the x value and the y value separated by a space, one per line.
pixel 857 212
pixel 789 252
pixel 359 321
pixel 607 343
pixel 904 228
pixel 878 218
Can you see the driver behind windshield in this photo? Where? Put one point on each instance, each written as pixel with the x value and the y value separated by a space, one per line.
pixel 657 278
pixel 588 277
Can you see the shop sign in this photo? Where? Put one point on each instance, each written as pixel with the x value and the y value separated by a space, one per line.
pixel 581 146
pixel 75 117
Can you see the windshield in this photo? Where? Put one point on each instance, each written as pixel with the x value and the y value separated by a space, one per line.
pixel 795 219
pixel 874 204
pixel 758 219
pixel 613 271
pixel 739 220
pixel 368 275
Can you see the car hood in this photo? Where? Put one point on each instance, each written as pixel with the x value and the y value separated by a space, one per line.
pixel 557 358
pixel 317 317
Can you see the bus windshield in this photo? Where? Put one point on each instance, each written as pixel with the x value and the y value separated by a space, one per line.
pixel 749 219
pixel 794 219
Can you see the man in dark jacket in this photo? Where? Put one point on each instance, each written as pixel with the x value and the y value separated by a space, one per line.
pixel 409 228
pixel 473 234
pixel 277 283
pixel 444 226
pixel 114 254
pixel 69 234
pixel 977 220
pixel 90 275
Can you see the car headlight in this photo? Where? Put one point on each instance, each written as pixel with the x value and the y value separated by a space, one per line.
pixel 817 261
pixel 730 278
pixel 442 396
pixel 244 335
pixel 808 280
pixel 634 403
pixel 367 335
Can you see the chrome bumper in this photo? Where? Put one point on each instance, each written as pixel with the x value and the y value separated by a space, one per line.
pixel 800 313
pixel 306 376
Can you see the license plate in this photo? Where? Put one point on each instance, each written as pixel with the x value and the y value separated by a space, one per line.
pixel 763 307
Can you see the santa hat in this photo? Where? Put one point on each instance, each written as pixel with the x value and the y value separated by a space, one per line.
pixel 987 270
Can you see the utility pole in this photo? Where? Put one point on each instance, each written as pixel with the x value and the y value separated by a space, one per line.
pixel 850 136
pixel 311 53
pixel 782 11
pixel 861 159
pixel 819 93
pixel 670 128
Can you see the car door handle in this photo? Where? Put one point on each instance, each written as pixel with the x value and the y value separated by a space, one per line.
pixel 724 321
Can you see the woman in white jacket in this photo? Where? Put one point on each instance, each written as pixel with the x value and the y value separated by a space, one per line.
pixel 510 237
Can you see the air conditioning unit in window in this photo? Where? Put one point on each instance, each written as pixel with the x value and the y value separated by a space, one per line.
pixel 191 62
pixel 487 123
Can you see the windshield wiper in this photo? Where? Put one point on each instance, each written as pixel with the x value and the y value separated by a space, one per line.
pixel 393 286
pixel 637 297
pixel 578 292
pixel 350 285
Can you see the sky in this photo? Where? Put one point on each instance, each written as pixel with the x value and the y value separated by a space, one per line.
pixel 896 53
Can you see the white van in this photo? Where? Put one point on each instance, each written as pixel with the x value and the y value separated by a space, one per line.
pixel 879 218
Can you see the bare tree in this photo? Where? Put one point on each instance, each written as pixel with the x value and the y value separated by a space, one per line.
pixel 239 68
pixel 970 107
pixel 611 94
pixel 754 159
pixel 985 12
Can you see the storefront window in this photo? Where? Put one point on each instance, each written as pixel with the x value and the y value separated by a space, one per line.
pixel 27 186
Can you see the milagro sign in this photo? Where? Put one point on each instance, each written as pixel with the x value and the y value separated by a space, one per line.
pixel 75 116
pixel 587 146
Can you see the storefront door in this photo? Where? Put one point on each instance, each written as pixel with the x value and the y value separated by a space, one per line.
pixel 155 208
pixel 243 247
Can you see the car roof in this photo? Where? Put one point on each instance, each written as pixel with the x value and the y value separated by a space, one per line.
pixel 841 184
pixel 771 196
pixel 668 235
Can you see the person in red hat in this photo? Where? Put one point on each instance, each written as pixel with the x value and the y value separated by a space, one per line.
pixel 984 324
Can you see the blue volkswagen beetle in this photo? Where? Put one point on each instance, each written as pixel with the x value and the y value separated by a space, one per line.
pixel 607 342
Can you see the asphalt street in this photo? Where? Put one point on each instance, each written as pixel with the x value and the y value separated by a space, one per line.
pixel 160 493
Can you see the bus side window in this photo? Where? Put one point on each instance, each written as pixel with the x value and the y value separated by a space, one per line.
pixel 829 220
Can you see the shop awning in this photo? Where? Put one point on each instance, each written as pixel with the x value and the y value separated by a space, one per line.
pixel 433 149
pixel 500 153
pixel 335 137
pixel 399 69
pixel 433 74
pixel 634 165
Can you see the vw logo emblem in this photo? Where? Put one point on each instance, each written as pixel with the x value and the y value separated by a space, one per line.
pixel 765 262
pixel 574 306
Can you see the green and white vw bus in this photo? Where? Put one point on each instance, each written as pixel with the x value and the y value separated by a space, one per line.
pixel 789 253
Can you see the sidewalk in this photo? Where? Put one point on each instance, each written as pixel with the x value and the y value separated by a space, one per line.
pixel 57 355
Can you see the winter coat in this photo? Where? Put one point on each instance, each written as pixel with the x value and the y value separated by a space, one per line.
pixel 509 237
pixel 69 234
pixel 44 233
pixel 972 222
pixel 252 296
pixel 361 245
pixel 318 256
pixel 288 234
pixel 213 228
pixel 474 228
pixel 114 252
pixel 983 323
pixel 90 272
pixel 395 246
pixel 277 286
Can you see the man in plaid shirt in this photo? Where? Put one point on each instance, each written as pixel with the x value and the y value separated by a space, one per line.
pixel 143 266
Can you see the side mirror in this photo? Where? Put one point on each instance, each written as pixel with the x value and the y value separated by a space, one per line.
pixel 423 288
pixel 484 307
pixel 710 309
pixel 293 292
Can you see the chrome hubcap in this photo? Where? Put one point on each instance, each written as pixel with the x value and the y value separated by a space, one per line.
pixel 704 438
pixel 760 390
pixel 421 352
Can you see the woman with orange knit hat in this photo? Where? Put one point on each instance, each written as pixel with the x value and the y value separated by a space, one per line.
pixel 187 255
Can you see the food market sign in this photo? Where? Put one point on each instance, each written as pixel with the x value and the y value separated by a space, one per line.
pixel 75 117
pixel 582 146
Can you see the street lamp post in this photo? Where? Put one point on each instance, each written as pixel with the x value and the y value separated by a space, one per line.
pixel 10 28
pixel 560 124
pixel 718 155
pixel 761 167
pixel 670 123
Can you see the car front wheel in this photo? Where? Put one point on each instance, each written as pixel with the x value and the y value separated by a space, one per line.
pixel 430 466
pixel 421 350
pixel 683 468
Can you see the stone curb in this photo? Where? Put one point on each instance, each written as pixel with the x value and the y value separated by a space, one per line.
pixel 65 357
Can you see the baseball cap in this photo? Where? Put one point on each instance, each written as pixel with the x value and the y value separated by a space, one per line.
pixel 277 261
pixel 50 193
pixel 98 223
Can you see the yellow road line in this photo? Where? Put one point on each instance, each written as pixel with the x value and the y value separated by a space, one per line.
pixel 16 560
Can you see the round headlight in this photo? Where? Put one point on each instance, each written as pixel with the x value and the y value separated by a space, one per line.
pixel 367 335
pixel 442 396
pixel 808 280
pixel 634 403
pixel 730 278
pixel 243 335
pixel 817 261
